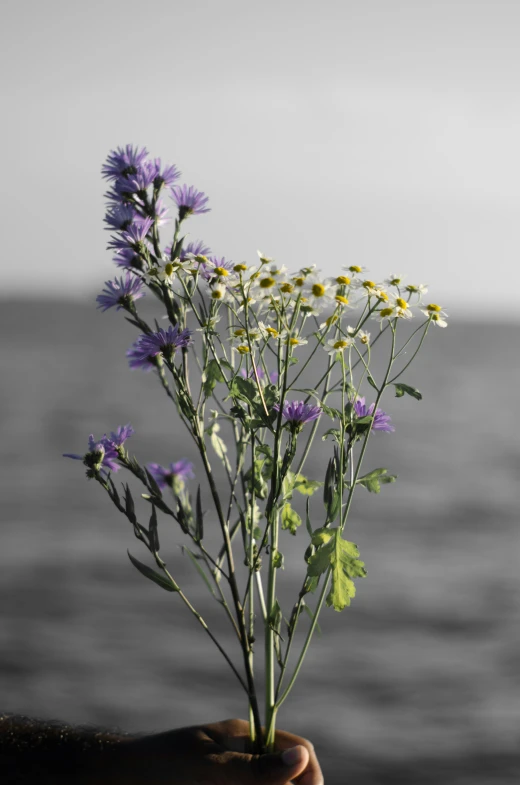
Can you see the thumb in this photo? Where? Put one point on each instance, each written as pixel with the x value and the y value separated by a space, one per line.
pixel 276 769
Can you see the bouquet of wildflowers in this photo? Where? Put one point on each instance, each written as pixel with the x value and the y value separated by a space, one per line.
pixel 231 361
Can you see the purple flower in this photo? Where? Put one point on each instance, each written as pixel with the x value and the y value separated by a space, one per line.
pixel 119 437
pixel 297 413
pixel 136 358
pixel 189 200
pixel 207 271
pixel 381 421
pixel 140 180
pixel 128 259
pixel 103 453
pixel 120 217
pixel 123 161
pixel 133 237
pixel 172 476
pixel 196 248
pixel 161 213
pixel 120 292
pixel 168 175
pixel 164 342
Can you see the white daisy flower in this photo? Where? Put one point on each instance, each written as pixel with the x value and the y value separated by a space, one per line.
pixel 363 336
pixel 367 288
pixel 319 292
pixel 436 314
pixel 402 308
pixel 354 269
pixel 219 293
pixel 291 340
pixel 418 289
pixel 395 279
pixel 338 345
pixel 268 331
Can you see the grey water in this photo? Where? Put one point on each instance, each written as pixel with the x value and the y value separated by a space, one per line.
pixel 418 681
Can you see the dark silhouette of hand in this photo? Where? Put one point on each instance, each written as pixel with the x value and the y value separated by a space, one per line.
pixel 215 754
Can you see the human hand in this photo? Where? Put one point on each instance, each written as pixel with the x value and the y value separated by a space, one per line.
pixel 214 754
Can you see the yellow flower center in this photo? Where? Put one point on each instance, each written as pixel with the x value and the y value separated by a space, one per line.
pixel 217 294
pixel 240 268
pixel 369 284
pixel 221 271
pixel 318 290
pixel 342 280
pixel 386 312
pixel 243 349
pixel 272 332
pixel 264 260
pixel 201 258
pixel 412 289
pixel 331 320
pixel 340 299
pixel 299 281
pixel 364 339
pixel 401 303
pixel 340 345
pixel 433 307
pixel 435 317
pixel 354 268
pixel 239 332
pixel 383 296
pixel 266 283
pixel 168 268
pixel 287 288
pixel 395 281
pixel 293 341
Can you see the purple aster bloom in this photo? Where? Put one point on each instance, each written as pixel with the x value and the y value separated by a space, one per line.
pixel 189 200
pixel 120 217
pixel 132 237
pixel 136 358
pixel 102 454
pixel 138 181
pixel 123 161
pixel 208 272
pixel 129 260
pixel 119 436
pixel 120 292
pixel 381 421
pixel 161 213
pixel 297 413
pixel 196 248
pixel 168 175
pixel 176 472
pixel 165 342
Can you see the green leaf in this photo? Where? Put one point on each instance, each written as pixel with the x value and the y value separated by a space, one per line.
pixel 219 445
pixel 310 614
pixel 307 517
pixel 335 433
pixel 199 518
pixel 373 480
pixel 195 561
pixel 278 560
pixel 160 580
pixel 322 535
pixel 290 518
pixel 129 505
pixel 212 374
pixel 225 364
pixel 371 382
pixel 246 389
pixel 154 536
pixel 401 389
pixel 345 567
pixel 153 484
pixel 304 486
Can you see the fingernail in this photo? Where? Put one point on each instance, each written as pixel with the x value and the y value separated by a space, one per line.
pixel 293 756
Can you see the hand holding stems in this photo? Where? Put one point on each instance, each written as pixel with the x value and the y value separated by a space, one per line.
pixel 215 754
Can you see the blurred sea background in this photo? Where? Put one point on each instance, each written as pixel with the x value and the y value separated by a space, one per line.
pixel 418 681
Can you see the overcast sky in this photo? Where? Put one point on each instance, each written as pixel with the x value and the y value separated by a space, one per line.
pixel 377 132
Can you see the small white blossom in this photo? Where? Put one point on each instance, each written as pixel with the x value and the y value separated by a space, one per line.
pixel 336 345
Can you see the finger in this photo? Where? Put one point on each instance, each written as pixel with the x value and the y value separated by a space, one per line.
pixel 312 774
pixel 236 768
